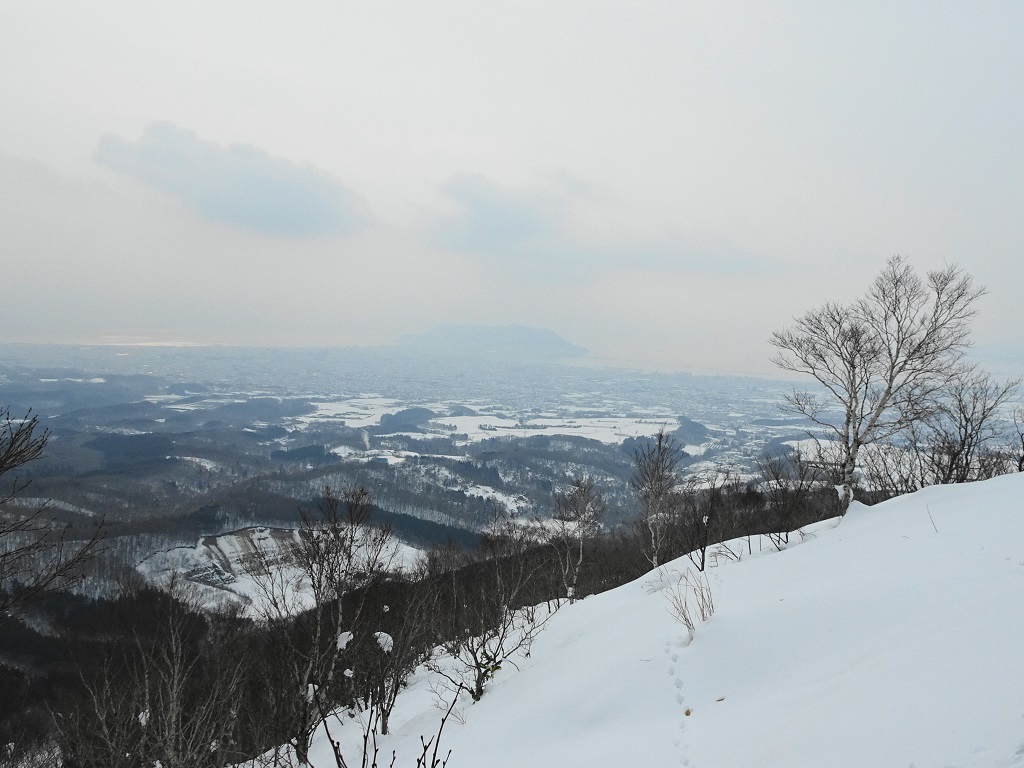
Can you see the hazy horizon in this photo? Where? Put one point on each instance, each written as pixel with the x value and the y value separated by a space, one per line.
pixel 661 183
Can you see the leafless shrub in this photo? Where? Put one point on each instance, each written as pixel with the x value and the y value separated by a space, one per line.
pixel 787 485
pixel 690 600
pixel 724 552
pixel 428 758
pixel 486 615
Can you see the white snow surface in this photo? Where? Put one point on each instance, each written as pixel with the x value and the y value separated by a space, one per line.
pixel 891 639
pixel 207 464
pixel 367 410
pixel 362 411
pixel 220 566
pixel 607 429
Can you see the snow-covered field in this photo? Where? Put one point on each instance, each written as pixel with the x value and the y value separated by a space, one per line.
pixel 606 429
pixel 891 639
pixel 207 464
pixel 355 412
pixel 493 421
pixel 220 567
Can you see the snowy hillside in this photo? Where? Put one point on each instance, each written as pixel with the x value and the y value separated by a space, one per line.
pixel 221 566
pixel 892 639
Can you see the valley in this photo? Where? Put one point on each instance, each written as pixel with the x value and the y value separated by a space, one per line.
pixel 170 445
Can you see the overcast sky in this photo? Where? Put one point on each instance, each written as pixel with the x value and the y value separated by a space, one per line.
pixel 664 183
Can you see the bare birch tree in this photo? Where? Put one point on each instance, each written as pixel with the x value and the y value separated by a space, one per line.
pixel 655 480
pixel 578 515
pixel 881 358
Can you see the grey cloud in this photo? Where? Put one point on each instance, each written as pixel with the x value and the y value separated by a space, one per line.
pixel 497 220
pixel 238 185
pixel 710 256
pixel 527 229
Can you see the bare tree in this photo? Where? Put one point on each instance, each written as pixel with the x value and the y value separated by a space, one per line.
pixel 655 480
pixel 440 559
pixel 171 699
pixel 894 466
pixel 962 431
pixel 881 358
pixel 706 498
pixel 339 555
pixel 578 515
pixel 388 659
pixel 486 613
pixel 37 554
pixel 961 437
pixel 787 484
pixel 1017 452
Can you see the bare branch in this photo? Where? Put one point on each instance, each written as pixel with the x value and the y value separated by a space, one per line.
pixel 881 359
pixel 37 554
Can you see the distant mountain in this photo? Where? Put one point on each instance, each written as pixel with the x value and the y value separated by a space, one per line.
pixel 509 342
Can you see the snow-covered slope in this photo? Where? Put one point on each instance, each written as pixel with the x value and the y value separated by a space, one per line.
pixel 895 638
pixel 220 565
